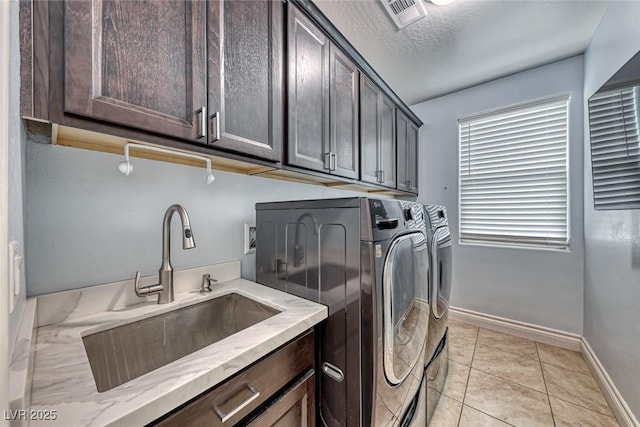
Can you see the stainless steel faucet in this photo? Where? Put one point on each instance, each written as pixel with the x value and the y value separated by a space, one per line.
pixel 164 289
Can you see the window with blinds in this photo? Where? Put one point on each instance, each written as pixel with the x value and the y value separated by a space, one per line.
pixel 513 176
pixel 615 148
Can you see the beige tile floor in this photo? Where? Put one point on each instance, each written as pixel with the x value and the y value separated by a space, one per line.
pixel 497 380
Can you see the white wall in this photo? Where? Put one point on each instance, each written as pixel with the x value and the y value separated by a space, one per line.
pixel 89 224
pixel 4 154
pixel 16 168
pixel 535 286
pixel 612 238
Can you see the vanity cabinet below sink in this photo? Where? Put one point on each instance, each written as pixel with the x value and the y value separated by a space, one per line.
pixel 277 390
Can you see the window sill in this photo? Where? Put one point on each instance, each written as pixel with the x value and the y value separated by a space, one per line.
pixel 514 246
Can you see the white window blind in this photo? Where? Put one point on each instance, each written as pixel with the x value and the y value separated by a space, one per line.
pixel 513 176
pixel 615 148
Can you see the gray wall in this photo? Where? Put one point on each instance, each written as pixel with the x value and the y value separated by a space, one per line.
pixel 16 165
pixel 534 286
pixel 89 224
pixel 612 238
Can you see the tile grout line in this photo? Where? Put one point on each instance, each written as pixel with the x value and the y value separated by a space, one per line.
pixel 540 361
pixel 488 415
pixel 502 379
pixel 517 356
pixel 467 385
pixel 511 352
pixel 589 374
pixel 577 404
pixel 544 380
pixel 588 409
pixel 510 381
pixel 464 395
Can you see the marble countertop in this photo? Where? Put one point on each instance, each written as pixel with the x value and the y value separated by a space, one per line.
pixel 63 382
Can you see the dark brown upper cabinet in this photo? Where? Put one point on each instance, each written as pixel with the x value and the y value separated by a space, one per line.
pixel 308 93
pixel 413 157
pixel 250 82
pixel 137 64
pixel 323 101
pixel 407 141
pixel 378 136
pixel 343 116
pixel 245 76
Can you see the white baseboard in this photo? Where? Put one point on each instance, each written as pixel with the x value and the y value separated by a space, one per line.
pixel 617 403
pixel 557 338
pixel 520 329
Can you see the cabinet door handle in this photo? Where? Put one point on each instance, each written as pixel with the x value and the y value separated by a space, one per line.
pixel 202 116
pixel 380 174
pixel 332 161
pixel 333 372
pixel 327 161
pixel 225 416
pixel 216 124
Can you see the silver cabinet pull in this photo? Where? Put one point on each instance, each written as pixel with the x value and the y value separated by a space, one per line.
pixel 202 116
pixel 333 371
pixel 225 416
pixel 330 161
pixel 380 175
pixel 216 124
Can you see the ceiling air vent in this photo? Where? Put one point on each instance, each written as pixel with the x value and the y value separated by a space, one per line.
pixel 404 12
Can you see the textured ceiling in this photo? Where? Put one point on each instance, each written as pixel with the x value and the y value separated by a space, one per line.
pixel 464 43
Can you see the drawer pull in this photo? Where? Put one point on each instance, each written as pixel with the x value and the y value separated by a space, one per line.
pixel 225 416
pixel 333 372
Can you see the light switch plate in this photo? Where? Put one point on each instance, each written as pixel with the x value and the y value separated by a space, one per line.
pixel 249 238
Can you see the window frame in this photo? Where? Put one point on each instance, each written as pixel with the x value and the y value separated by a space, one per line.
pixel 513 243
pixel 599 204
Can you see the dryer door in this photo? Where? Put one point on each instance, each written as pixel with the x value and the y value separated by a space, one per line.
pixel 405 304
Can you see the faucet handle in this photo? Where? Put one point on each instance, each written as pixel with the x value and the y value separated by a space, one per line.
pixel 206 283
pixel 147 290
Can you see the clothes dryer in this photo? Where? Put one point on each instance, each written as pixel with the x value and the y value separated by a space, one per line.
pixel 437 360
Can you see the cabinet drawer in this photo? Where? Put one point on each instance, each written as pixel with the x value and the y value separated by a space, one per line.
pixel 294 407
pixel 234 399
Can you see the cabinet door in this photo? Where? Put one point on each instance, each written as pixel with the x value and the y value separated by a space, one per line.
pixel 137 64
pixel 412 157
pixel 387 142
pixel 308 93
pixel 403 158
pixel 245 43
pixel 294 408
pixel 344 87
pixel 369 131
